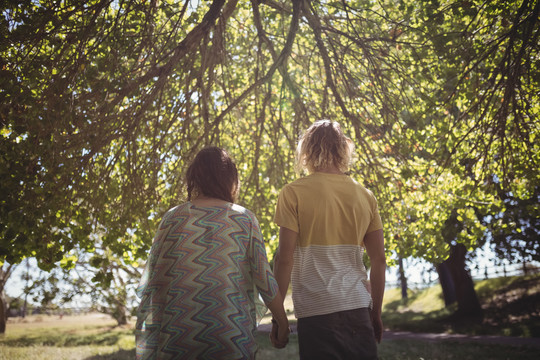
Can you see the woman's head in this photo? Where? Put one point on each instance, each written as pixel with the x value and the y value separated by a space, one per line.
pixel 212 173
pixel 324 145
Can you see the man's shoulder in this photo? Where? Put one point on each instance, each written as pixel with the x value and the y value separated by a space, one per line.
pixel 302 182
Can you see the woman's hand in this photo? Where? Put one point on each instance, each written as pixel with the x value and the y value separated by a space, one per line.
pixel 279 336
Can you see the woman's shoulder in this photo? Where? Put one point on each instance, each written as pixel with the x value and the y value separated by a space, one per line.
pixel 241 210
pixel 175 210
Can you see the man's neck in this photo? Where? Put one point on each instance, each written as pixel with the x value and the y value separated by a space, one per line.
pixel 331 169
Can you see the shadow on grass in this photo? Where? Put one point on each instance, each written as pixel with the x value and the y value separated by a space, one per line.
pixel 511 308
pixel 104 337
pixel 513 305
pixel 118 355
pixel 450 350
pixel 398 316
pixel 433 322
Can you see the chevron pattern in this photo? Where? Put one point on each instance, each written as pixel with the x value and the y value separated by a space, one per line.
pixel 205 272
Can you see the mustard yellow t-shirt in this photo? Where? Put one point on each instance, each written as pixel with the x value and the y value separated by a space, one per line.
pixel 331 214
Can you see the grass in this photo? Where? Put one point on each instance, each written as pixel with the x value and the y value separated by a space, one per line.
pixel 511 307
pixel 93 341
pixel 414 350
pixel 450 350
pixel 89 337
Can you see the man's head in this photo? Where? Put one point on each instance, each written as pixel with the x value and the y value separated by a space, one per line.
pixel 324 145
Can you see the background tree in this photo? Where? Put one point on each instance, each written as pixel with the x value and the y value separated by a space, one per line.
pixel 5 272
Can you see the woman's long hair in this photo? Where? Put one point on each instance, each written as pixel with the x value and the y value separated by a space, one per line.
pixel 212 173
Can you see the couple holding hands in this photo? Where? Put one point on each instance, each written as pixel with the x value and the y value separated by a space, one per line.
pixel 207 270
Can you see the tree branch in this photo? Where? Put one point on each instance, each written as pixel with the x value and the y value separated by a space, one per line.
pixel 285 53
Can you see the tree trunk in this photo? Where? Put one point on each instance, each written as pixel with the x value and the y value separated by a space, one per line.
pixel 3 313
pixel 120 315
pixel 121 320
pixel 402 279
pixel 447 284
pixel 4 276
pixel 464 293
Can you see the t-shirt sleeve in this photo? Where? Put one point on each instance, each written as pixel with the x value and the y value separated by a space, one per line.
pixel 287 210
pixel 263 277
pixel 376 222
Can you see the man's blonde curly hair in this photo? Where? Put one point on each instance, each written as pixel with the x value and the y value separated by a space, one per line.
pixel 324 144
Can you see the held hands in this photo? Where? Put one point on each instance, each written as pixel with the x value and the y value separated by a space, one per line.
pixel 279 336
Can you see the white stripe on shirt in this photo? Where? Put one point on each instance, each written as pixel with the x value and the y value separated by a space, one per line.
pixel 333 279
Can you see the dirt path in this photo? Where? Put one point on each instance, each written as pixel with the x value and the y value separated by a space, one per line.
pixel 406 335
pixel 486 339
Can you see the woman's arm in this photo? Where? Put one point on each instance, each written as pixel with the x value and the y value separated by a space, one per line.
pixel 280 324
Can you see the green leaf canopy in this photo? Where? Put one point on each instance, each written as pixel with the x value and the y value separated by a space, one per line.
pixel 104 103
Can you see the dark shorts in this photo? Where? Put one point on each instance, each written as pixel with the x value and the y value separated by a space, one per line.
pixel 343 335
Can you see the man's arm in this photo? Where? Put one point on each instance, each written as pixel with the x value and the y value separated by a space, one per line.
pixel 280 324
pixel 283 264
pixel 374 243
pixel 284 258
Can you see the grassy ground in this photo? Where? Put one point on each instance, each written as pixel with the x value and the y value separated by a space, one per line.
pixel 94 338
pixel 511 307
pixel 89 337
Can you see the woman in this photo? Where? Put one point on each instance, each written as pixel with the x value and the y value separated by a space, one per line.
pixel 206 269
pixel 326 222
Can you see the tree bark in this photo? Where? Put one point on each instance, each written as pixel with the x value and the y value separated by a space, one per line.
pixel 402 279
pixel 3 313
pixel 447 284
pixel 460 288
pixel 4 276
pixel 120 315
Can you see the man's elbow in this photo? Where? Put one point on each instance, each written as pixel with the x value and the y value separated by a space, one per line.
pixel 378 262
pixel 284 262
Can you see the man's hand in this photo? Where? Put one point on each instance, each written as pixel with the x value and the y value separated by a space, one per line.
pixel 279 336
pixel 376 321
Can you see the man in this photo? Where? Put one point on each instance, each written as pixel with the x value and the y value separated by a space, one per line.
pixel 326 222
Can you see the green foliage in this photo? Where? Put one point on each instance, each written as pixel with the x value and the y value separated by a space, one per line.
pixel 103 105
